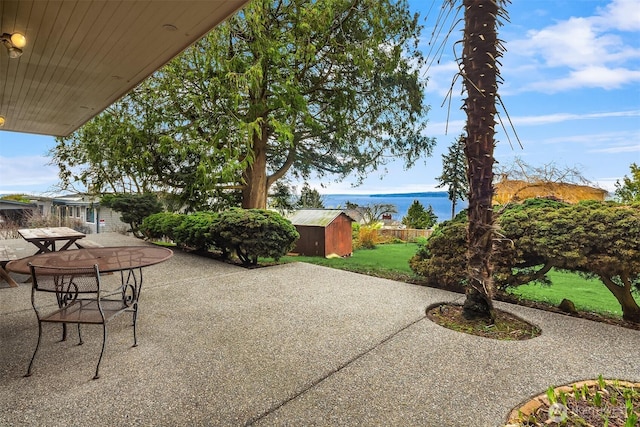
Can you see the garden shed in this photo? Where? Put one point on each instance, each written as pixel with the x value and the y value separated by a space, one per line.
pixel 323 232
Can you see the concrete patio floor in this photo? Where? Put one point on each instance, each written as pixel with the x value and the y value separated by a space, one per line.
pixel 295 344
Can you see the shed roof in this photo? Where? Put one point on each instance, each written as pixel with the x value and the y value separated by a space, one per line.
pixel 315 217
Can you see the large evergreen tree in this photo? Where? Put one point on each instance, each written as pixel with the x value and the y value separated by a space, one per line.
pixel 419 217
pixel 282 197
pixel 310 198
pixel 454 173
pixel 307 87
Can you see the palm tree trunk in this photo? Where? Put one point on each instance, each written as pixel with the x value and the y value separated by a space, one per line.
pixel 480 79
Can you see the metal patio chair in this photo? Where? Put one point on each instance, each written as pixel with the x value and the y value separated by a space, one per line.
pixel 80 299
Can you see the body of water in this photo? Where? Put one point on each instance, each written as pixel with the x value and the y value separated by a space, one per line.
pixel 438 200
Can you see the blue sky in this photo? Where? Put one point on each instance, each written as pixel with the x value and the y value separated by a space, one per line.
pixel 572 90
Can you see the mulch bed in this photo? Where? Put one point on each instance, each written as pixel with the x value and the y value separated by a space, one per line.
pixel 504 297
pixel 507 326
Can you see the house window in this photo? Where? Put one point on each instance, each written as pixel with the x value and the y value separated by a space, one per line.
pixel 70 211
pixel 77 211
pixel 91 215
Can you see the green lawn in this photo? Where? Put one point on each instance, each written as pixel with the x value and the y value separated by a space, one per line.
pixel 392 261
pixel 586 294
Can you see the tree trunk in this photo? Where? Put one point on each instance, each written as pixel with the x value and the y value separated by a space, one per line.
pixel 479 73
pixel 630 308
pixel 254 192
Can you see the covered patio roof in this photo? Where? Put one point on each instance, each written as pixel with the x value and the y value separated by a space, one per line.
pixel 81 56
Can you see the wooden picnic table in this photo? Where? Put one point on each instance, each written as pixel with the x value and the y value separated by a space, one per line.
pixel 7 254
pixel 45 238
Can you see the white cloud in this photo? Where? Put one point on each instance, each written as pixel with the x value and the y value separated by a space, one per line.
pixel 604 142
pixel 623 136
pixel 572 43
pixel 591 77
pixel 632 148
pixel 623 15
pixel 584 51
pixel 28 172
pixel 438 128
pixel 441 77
pixel 608 184
pixel 564 117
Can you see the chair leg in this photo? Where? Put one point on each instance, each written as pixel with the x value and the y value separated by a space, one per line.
pixel 135 325
pixel 64 332
pixel 80 342
pixel 104 341
pixel 28 374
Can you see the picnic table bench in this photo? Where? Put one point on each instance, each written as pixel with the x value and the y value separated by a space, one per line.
pixel 7 254
pixel 86 243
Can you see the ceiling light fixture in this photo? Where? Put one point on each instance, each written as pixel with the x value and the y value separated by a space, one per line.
pixel 14 43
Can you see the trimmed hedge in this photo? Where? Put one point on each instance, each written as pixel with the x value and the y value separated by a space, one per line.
pixel 161 225
pixel 249 233
pixel 193 231
pixel 253 233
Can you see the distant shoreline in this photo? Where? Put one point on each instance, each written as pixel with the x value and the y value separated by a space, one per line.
pixel 421 194
pixel 437 200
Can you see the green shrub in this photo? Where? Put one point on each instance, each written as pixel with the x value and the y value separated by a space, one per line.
pixel 420 240
pixel 161 225
pixel 170 223
pixel 394 241
pixel 253 233
pixel 368 237
pixel 151 226
pixel 355 230
pixel 193 231
pixel 133 207
pixel 443 260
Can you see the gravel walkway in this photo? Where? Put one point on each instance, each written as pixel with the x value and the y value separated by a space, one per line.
pixel 294 345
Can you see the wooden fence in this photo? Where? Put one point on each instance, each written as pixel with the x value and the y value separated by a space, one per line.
pixel 405 234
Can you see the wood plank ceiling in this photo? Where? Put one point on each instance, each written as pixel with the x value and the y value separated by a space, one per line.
pixel 81 56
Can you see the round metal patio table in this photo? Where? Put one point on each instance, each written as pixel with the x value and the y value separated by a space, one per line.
pixel 109 259
pixel 128 260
